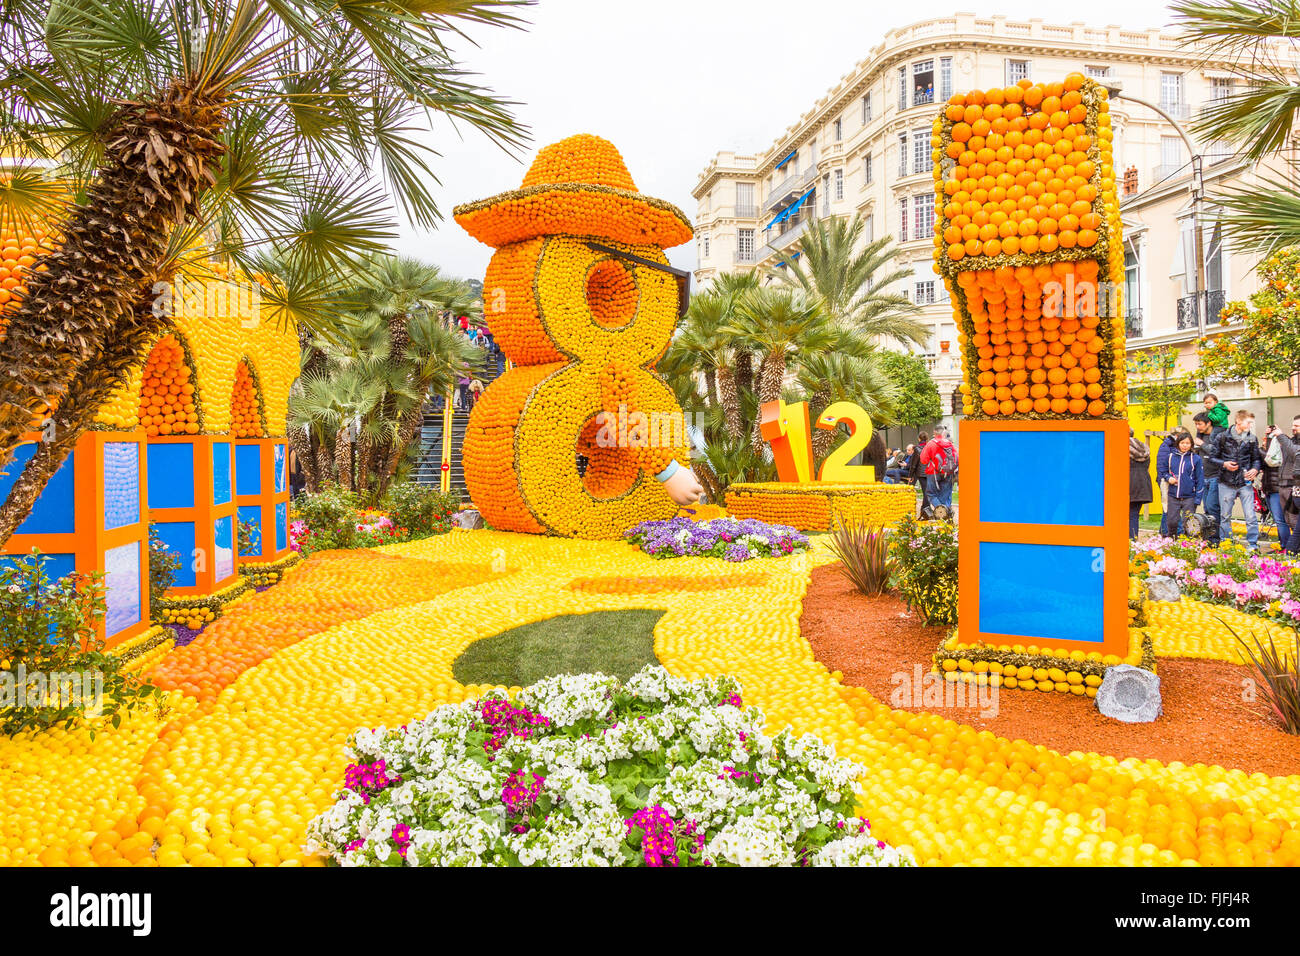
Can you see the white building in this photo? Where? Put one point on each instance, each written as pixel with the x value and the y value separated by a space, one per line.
pixel 865 147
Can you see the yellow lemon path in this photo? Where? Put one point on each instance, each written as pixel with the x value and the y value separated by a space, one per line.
pixel 236 779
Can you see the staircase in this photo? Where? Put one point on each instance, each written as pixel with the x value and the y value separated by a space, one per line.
pixel 428 470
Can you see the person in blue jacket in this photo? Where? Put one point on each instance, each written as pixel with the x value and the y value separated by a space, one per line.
pixel 1162 474
pixel 1185 475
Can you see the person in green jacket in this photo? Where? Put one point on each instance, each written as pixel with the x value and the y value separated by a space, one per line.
pixel 1216 410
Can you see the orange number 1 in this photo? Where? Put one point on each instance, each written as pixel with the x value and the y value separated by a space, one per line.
pixel 785 427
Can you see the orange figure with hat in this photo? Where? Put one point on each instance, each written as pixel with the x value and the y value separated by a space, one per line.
pixel 580 297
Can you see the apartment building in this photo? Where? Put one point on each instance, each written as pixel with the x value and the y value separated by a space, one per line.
pixel 864 148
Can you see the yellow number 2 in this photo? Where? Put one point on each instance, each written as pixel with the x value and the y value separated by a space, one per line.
pixel 836 467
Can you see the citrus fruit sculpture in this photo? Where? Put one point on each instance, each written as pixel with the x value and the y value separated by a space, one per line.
pixel 583 322
pixel 1027 238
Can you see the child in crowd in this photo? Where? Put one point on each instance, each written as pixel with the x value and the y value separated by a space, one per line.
pixel 1216 410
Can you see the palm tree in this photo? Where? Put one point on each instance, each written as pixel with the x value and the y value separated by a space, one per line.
pixel 333 404
pixel 778 323
pixel 242 122
pixel 1258 119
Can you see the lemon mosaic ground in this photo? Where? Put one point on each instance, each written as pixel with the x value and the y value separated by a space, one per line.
pixel 235 780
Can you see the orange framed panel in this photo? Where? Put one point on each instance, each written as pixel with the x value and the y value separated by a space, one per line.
pixel 1110 538
pixel 266 499
pixel 90 540
pixel 203 513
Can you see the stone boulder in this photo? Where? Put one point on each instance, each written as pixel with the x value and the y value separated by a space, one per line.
pixel 468 519
pixel 1161 587
pixel 1129 694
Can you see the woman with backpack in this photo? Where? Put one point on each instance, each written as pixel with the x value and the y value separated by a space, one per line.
pixel 1186 481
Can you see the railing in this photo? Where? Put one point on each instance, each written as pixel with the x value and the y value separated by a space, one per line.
pixel 1215 299
pixel 747 211
pixel 790 188
pixel 1133 323
pixel 1179 111
pixel 787 237
pixel 924 98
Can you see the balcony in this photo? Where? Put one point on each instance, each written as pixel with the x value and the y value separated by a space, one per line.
pixel 747 211
pixel 1215 300
pixel 1179 111
pixel 790 189
pixel 1133 323
pixel 790 234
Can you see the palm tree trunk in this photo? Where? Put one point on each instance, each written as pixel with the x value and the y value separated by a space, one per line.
pixel 96 383
pixel 363 452
pixel 408 430
pixel 771 375
pixel 729 398
pixel 160 159
pixel 300 441
pixel 822 438
pixel 745 371
pixel 326 463
pixel 343 457
pixel 710 386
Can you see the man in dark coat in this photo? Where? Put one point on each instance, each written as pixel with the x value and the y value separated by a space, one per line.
pixel 1206 431
pixel 1236 452
pixel 916 473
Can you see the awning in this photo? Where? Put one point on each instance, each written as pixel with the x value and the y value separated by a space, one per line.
pixel 792 155
pixel 791 209
pixel 781 264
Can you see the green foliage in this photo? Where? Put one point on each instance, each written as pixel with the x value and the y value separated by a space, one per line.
pixel 1277 673
pixel 422 509
pixel 248 537
pixel 55 670
pixel 163 565
pixel 917 402
pixel 614 642
pixel 331 516
pixel 864 555
pixel 925 570
pixel 1155 385
pixel 1268 349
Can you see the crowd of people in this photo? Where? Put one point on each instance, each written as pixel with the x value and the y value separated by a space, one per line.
pixel 930 464
pixel 1220 467
pixel 469 388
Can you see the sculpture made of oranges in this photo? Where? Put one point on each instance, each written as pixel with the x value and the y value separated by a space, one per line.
pixel 245 404
pixel 583 327
pixel 168 401
pixel 1027 238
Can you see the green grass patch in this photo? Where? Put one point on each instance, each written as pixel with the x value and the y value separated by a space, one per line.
pixel 619 643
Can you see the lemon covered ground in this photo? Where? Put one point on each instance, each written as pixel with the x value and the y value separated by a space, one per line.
pixel 233 774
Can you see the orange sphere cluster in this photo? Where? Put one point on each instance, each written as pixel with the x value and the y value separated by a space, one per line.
pixel 1031 163
pixel 1032 359
pixel 19 248
pixel 584 328
pixel 334 587
pixel 579 186
pixel 245 409
pixel 812 506
pixel 168 401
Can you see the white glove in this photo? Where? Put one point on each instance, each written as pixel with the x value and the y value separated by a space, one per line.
pixel 681 484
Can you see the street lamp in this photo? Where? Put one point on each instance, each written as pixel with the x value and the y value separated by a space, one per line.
pixel 1115 89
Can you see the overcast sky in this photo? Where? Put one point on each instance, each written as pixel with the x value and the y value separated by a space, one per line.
pixel 671 82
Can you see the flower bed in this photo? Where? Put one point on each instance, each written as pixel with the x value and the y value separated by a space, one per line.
pixel 724 538
pixel 813 506
pixel 583 770
pixel 1230 575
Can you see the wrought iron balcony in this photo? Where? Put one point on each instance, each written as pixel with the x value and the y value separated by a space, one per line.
pixel 1133 323
pixel 1214 303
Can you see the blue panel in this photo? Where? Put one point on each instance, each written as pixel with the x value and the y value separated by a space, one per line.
pixel 1048 591
pixel 223 531
pixel 281 468
pixel 282 526
pixel 121 484
pixel 122 580
pixel 221 472
pixel 178 536
pixel 55 565
pixel 248 469
pixel 55 510
pixel 171 475
pixel 1045 477
pixel 252 515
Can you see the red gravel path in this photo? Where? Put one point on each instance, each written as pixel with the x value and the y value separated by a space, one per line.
pixel 876 643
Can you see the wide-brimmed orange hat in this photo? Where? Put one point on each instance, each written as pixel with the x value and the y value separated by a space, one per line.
pixel 579 186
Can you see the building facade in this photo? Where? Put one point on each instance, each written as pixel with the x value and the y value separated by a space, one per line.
pixel 864 148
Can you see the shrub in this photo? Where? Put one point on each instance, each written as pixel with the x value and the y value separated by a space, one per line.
pixel 331 516
pixel 56 671
pixel 163 565
pixel 421 509
pixel 863 550
pixel 925 568
pixel 1278 673
pixel 585 770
